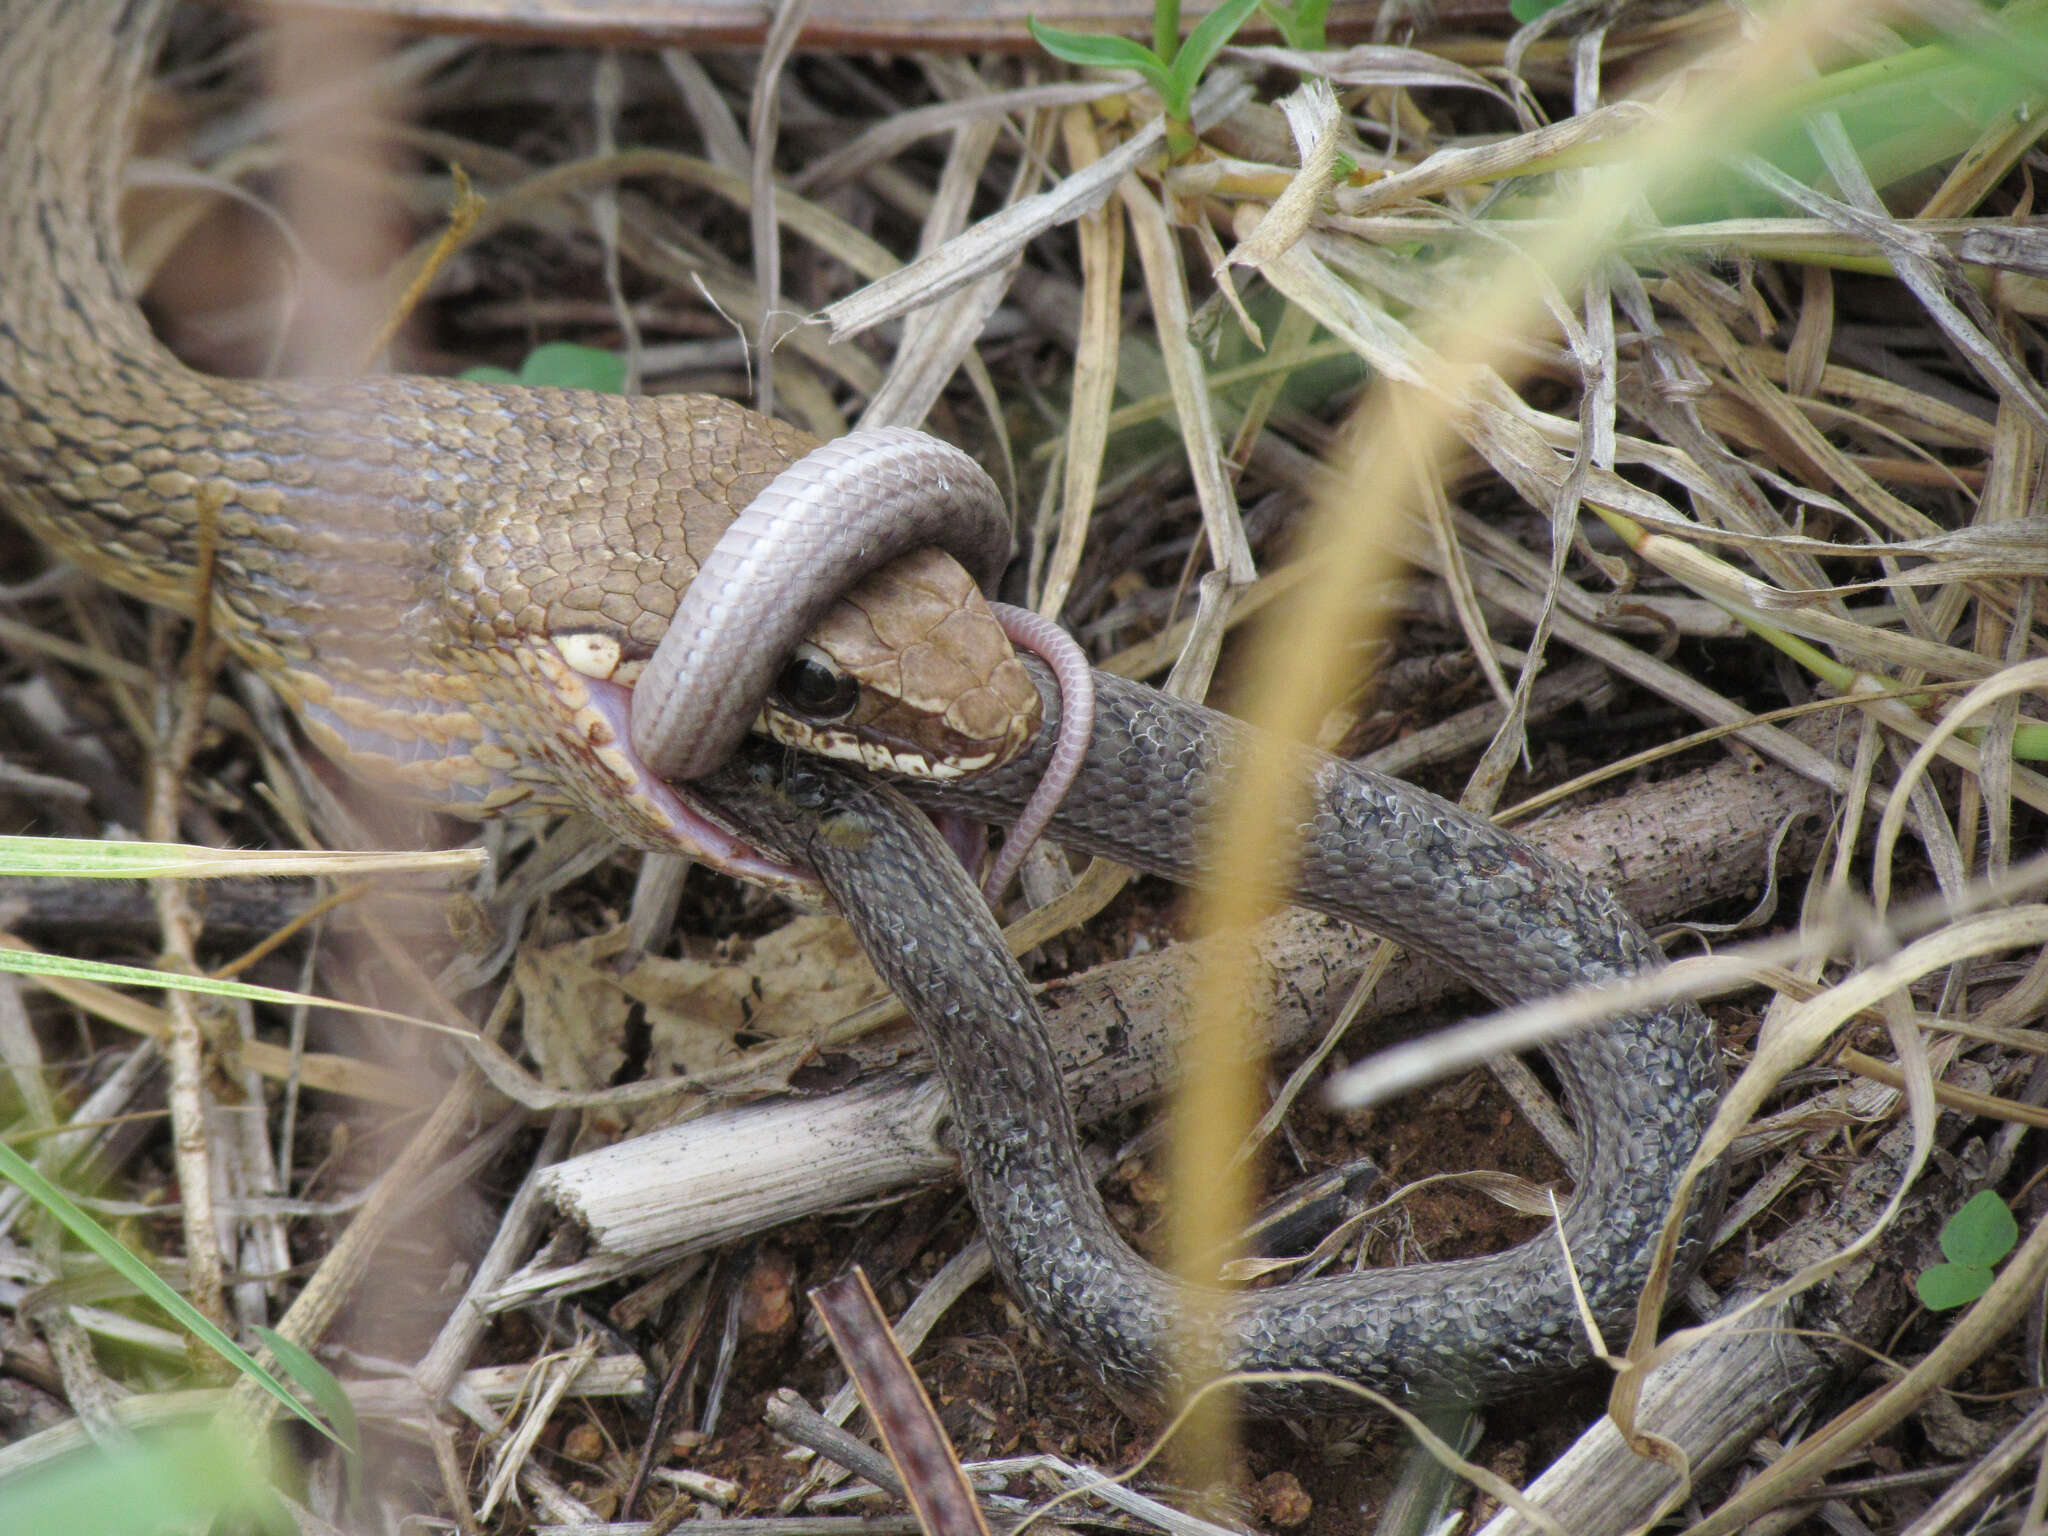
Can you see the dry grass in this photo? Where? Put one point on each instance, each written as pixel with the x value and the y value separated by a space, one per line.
pixel 1808 427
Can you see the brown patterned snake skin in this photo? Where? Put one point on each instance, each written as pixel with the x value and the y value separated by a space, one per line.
pixel 454 584
pixel 343 499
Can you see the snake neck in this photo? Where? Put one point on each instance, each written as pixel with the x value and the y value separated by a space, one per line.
pixel 85 390
pixel 394 554
pixel 74 70
pixel 118 456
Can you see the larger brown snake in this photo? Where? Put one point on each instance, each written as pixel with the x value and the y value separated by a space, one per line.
pixel 415 501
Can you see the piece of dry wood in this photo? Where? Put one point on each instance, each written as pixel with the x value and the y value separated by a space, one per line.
pixel 1665 848
pixel 238 912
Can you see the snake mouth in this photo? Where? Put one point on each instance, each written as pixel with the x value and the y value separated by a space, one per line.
pixel 670 817
pixel 880 754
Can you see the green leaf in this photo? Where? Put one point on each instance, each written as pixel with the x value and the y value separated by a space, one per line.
pixel 1526 11
pixel 568 365
pixel 183 1477
pixel 93 858
pixel 1203 44
pixel 1981 1233
pixel 1944 1287
pixel 328 1396
pixel 145 1279
pixel 561 365
pixel 1165 29
pixel 32 963
pixel 2030 743
pixel 1302 27
pixel 1096 50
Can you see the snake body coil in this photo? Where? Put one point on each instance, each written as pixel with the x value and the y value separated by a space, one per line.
pixel 1508 918
pixel 488 520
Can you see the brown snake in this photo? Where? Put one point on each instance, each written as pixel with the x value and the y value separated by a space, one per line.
pixel 456 584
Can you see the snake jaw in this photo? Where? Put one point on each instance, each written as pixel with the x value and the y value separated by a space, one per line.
pixel 635 803
pixel 877 754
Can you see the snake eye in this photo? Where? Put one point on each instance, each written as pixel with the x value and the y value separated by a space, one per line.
pixel 816 687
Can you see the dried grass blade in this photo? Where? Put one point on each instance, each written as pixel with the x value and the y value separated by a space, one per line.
pixel 996 239
pixel 2013 680
pixel 1166 282
pixel 1522 154
pixel 1372 64
pixel 1096 346
pixel 1757 602
pixel 1920 264
pixel 763 121
pixel 1457 578
pixel 1985 164
pixel 902 129
pixel 938 338
pixel 1990 1105
pixel 1315 121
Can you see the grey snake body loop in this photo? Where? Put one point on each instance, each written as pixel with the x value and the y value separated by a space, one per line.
pixel 1509 919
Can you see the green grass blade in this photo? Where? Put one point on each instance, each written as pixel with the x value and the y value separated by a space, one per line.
pixel 328 1395
pixel 91 858
pixel 146 1280
pixel 186 1477
pixel 1095 50
pixel 1204 43
pixel 571 365
pixel 31 963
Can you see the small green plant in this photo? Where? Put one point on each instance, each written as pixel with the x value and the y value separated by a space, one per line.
pixel 184 1476
pixel 1171 67
pixel 1974 1239
pixel 561 365
pixel 1526 11
pixel 294 1361
pixel 1301 25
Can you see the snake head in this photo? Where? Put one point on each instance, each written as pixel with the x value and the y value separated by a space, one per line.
pixel 908 673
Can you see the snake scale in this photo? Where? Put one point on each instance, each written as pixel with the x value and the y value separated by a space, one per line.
pixel 482 534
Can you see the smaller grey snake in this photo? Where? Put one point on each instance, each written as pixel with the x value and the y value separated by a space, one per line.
pixel 1508 918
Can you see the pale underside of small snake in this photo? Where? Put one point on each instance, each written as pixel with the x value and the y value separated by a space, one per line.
pixel 457 585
